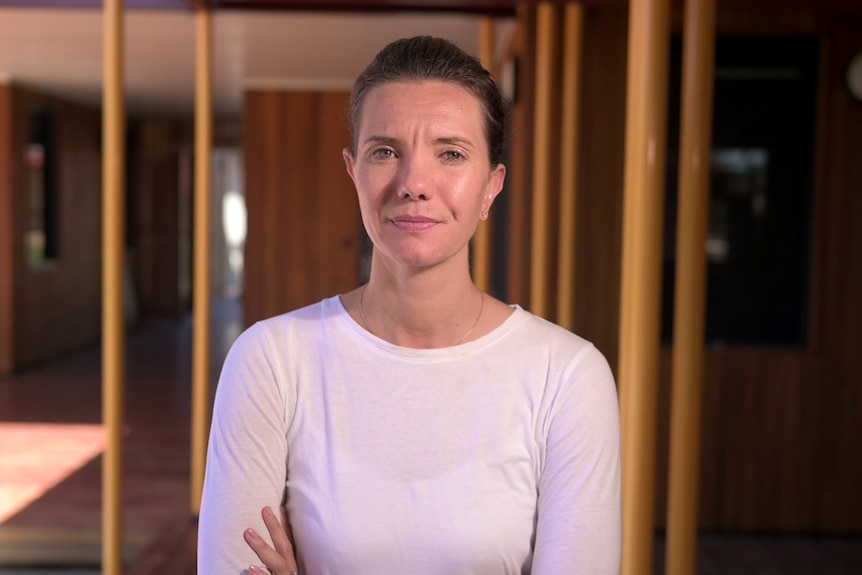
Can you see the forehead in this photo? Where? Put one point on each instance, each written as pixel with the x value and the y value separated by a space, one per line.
pixel 440 102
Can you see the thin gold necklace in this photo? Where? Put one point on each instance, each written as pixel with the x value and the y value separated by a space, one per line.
pixel 466 335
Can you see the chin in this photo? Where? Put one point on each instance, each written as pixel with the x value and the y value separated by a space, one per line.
pixel 417 252
pixel 411 258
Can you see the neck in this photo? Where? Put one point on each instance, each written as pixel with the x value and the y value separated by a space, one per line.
pixel 422 310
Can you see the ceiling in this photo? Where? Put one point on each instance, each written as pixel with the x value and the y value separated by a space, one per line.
pixel 56 45
pixel 58 49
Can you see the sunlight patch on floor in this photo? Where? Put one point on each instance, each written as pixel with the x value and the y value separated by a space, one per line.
pixel 34 457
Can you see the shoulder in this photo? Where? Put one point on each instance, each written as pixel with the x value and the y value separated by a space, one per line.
pixel 288 330
pixel 304 319
pixel 264 356
pixel 566 361
pixel 538 333
pixel 314 312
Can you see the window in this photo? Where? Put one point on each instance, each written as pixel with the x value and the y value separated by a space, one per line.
pixel 40 168
pixel 761 191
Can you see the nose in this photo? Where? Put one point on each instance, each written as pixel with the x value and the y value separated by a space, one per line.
pixel 414 178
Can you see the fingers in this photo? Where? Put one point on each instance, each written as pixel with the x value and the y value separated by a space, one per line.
pixel 269 557
pixel 278 533
pixel 255 570
pixel 280 560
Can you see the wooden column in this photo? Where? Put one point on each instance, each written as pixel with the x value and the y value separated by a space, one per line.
pixel 482 239
pixel 643 211
pixel 7 218
pixel 690 292
pixel 569 154
pixel 201 388
pixel 542 155
pixel 113 319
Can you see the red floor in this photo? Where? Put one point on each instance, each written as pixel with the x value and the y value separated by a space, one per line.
pixel 61 528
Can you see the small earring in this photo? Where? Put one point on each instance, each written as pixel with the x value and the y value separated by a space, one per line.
pixel 484 215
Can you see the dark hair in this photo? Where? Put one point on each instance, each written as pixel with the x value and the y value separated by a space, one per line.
pixel 429 58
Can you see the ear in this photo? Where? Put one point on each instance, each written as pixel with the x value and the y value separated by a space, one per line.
pixel 349 162
pixel 494 186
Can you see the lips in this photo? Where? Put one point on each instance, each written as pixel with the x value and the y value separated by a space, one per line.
pixel 413 223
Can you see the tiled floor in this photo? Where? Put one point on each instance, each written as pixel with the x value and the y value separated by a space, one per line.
pixel 62 529
pixel 721 554
pixel 160 533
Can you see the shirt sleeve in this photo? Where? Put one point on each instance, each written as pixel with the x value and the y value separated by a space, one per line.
pixel 579 517
pixel 246 458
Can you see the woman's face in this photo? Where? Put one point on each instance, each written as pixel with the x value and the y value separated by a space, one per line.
pixel 422 171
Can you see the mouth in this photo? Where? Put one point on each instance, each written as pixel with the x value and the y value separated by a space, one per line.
pixel 413 223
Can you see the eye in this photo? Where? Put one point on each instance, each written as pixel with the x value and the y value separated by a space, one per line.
pixel 453 155
pixel 382 153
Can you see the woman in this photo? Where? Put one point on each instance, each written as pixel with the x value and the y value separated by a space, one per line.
pixel 415 425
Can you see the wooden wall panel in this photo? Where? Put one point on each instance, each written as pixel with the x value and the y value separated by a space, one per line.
pixel 781 441
pixel 837 258
pixel 340 208
pixel 7 210
pixel 780 429
pixel 298 202
pixel 781 425
pixel 305 230
pixel 57 306
pixel 601 173
pixel 600 208
pixel 260 184
pixel 519 176
pixel 156 180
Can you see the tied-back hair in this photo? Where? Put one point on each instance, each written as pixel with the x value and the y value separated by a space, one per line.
pixel 428 58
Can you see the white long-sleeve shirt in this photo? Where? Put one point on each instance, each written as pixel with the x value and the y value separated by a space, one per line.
pixel 497 456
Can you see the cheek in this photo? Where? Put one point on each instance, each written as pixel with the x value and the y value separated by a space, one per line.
pixel 372 184
pixel 366 211
pixel 370 199
pixel 470 195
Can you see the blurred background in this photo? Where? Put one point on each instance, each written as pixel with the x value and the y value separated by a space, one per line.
pixel 780 464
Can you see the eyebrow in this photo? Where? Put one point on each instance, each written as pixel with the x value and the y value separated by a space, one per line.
pixel 455 140
pixel 380 140
pixel 386 140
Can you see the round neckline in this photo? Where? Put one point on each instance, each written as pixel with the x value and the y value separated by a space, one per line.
pixel 517 316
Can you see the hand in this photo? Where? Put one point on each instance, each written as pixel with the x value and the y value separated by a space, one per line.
pixel 281 560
